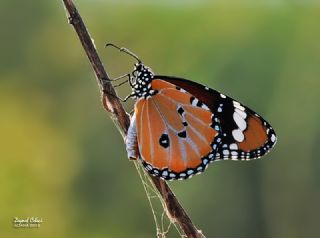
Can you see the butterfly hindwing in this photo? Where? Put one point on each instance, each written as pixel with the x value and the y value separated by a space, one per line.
pixel 245 135
pixel 177 134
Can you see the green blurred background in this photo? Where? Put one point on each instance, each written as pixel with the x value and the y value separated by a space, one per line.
pixel 63 160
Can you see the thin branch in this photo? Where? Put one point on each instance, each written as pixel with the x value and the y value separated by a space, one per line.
pixel 174 210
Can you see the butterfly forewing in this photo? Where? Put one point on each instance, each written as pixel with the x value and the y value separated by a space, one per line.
pixel 181 126
pixel 244 134
pixel 177 134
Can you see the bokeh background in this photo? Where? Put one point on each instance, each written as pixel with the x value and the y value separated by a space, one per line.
pixel 63 160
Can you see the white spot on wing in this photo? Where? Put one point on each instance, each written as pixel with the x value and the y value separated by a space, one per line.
pixel 273 138
pixel 233 146
pixel 241 113
pixel 238 135
pixel 205 107
pixel 194 102
pixel 237 105
pixel 189 172
pixel 172 175
pixel 165 173
pixel 234 153
pixel 241 123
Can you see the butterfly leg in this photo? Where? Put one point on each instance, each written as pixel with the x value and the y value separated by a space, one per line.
pixel 121 99
pixel 118 78
pixel 129 96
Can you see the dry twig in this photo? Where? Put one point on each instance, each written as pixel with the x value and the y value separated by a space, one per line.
pixel 174 210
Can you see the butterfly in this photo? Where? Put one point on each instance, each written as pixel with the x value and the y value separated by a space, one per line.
pixel 180 126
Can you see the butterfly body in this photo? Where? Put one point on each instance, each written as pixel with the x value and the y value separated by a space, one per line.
pixel 181 126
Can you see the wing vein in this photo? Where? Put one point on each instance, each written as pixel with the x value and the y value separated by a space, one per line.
pixel 165 124
pixel 186 105
pixel 150 135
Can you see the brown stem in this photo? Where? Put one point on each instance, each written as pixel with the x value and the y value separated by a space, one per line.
pixel 122 120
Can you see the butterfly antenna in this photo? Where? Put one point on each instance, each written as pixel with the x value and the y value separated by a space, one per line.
pixel 125 50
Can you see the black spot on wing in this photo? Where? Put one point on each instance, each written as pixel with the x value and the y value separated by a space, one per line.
pixel 164 141
pixel 192 99
pixel 182 134
pixel 180 110
pixel 199 104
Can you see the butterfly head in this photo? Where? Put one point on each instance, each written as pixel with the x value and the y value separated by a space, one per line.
pixel 140 78
pixel 140 81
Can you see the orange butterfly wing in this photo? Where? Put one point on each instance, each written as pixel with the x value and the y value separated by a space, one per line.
pixel 177 134
pixel 244 134
pixel 180 126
